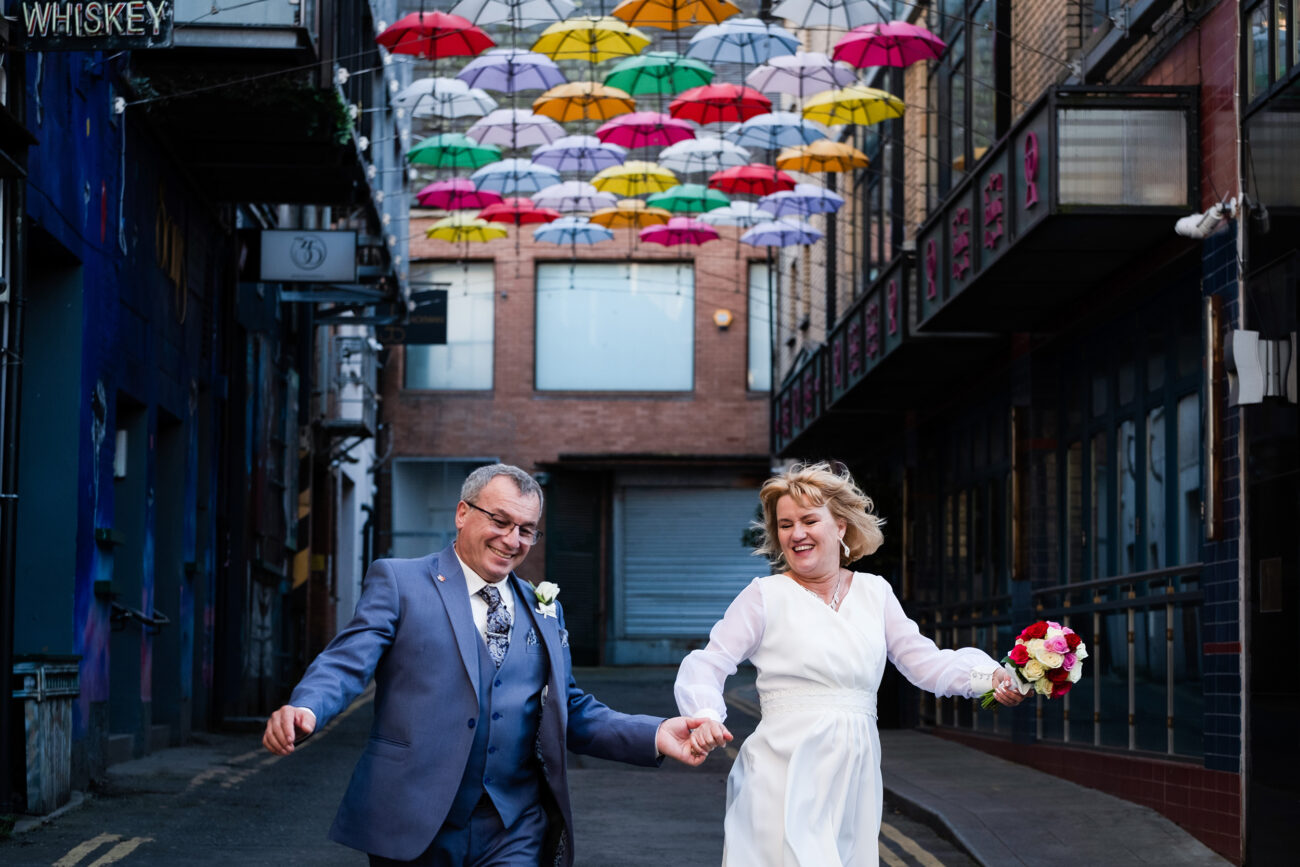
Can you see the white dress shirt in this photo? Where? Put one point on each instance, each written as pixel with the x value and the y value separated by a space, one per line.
pixel 477 604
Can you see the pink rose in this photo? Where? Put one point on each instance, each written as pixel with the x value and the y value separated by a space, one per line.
pixel 1052 624
pixel 1057 645
pixel 1070 660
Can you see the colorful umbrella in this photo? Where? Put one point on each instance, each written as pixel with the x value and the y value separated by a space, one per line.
pixel 857 104
pixel 634 178
pixel 679 230
pixel 803 200
pixel 891 43
pixel 572 196
pixel 674 14
pixel 463 227
pixel 514 175
pixel 776 130
pixel 579 153
pixel 800 75
pixel 511 69
pixel 452 150
pixel 751 180
pixel 515 128
pixel 689 199
pixel 444 97
pixel 719 103
pixel 583 100
pixel 457 194
pixel 709 154
pixel 630 212
pixel 822 156
pixel 519 13
pixel 736 214
pixel 572 230
pixel 840 14
pixel 658 72
pixel 433 35
pixel 590 37
pixel 518 211
pixel 781 233
pixel 747 41
pixel 643 129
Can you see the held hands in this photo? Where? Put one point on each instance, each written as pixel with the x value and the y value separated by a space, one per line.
pixel 1003 691
pixel 283 726
pixel 708 736
pixel 677 739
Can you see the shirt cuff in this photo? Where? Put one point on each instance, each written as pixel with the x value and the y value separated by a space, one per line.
pixel 981 682
pixel 706 713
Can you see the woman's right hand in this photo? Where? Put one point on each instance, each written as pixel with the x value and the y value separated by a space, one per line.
pixel 709 736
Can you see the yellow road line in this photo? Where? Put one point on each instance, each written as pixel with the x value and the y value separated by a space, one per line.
pixel 887 855
pixel 910 846
pixel 120 851
pixel 81 850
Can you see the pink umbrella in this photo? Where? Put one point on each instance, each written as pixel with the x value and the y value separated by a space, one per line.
pixel 643 129
pixel 893 43
pixel 679 230
pixel 457 194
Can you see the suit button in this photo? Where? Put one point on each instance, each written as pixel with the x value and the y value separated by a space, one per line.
pixel 491 750
pixel 471 723
pixel 487 780
pixel 496 715
pixel 497 683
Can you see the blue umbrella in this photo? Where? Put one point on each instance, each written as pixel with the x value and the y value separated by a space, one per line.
pixel 514 176
pixel 579 153
pixel 572 230
pixel 507 70
pixel 775 130
pixel 747 41
pixel 781 233
pixel 803 200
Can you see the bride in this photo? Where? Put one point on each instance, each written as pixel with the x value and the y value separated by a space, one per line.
pixel 805 790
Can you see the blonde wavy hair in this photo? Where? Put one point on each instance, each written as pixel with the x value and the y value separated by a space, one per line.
pixel 820 484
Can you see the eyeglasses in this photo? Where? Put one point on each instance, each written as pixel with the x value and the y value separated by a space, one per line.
pixel 527 534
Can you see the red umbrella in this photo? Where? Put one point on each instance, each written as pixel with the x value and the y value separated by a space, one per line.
pixel 752 180
pixel 434 34
pixel 518 211
pixel 719 103
pixel 679 230
pixel 892 43
pixel 643 129
pixel 457 194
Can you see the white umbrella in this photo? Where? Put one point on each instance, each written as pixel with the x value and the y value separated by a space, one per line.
pixel 515 128
pixel 747 41
pixel 800 75
pixel 841 14
pixel 707 154
pixel 520 13
pixel 514 176
pixel 572 196
pixel 736 214
pixel 444 97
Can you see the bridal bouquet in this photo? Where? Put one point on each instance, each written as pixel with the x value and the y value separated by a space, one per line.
pixel 1047 658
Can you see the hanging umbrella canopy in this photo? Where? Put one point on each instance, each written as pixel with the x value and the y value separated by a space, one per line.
pixel 857 104
pixel 630 212
pixel 803 200
pixel 801 75
pixel 890 43
pixel 590 37
pixel 574 196
pixel 517 13
pixel 509 70
pixel 444 97
pixel 634 178
pixel 518 211
pixel 579 153
pixel 433 35
pixel 719 103
pixel 514 175
pixel 515 128
pixel 840 14
pixel 452 150
pixel 756 179
pixel 645 129
pixel 674 14
pixel 781 233
pixel 572 230
pixel 736 214
pixel 747 41
pixel 776 130
pixel 679 230
pixel 658 72
pixel 689 199
pixel 583 100
pixel 457 194
pixel 709 154
pixel 465 227
pixel 822 156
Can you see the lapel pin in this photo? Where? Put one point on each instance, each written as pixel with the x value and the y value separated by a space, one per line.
pixel 442 578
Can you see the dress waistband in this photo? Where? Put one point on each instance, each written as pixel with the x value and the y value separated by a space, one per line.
pixel 817 699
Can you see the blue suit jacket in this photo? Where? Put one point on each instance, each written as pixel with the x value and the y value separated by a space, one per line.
pixel 415 633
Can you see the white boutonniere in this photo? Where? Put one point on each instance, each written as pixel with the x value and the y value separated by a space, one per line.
pixel 546 593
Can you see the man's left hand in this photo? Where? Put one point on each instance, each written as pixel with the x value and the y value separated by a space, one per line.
pixel 674 740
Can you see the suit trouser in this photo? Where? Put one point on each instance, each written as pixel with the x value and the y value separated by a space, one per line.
pixel 485 841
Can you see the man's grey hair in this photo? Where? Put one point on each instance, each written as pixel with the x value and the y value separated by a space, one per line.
pixel 479 479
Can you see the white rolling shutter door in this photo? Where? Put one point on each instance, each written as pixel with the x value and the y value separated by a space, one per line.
pixel 681 558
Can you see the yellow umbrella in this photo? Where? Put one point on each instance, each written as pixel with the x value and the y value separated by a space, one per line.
pixel 822 155
pixel 856 103
pixel 674 14
pixel 630 212
pixel 590 37
pixel 583 100
pixel 634 178
pixel 465 227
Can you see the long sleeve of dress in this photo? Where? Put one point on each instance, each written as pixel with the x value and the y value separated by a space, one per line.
pixel 966 671
pixel 733 638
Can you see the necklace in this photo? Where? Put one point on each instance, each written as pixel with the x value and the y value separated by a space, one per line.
pixel 834 602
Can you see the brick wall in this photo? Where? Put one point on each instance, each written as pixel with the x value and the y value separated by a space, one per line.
pixel 1046 37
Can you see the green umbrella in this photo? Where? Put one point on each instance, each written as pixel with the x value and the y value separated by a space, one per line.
pixel 453 150
pixel 688 199
pixel 658 72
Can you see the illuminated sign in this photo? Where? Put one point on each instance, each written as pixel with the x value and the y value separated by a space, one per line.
pixel 96 26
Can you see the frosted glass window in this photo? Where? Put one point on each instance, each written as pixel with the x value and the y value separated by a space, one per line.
pixel 1274 168
pixel 759 376
pixel 1122 157
pixel 465 361
pixel 615 326
pixel 425 494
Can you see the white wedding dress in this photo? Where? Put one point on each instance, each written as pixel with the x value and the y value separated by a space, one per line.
pixel 805 790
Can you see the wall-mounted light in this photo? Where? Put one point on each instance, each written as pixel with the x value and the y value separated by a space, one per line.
pixel 1260 368
pixel 722 318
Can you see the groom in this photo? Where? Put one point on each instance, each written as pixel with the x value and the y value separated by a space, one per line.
pixel 474 700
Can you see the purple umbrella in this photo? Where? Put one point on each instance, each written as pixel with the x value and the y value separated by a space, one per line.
pixel 579 153
pixel 515 128
pixel 572 196
pixel 803 200
pixel 781 233
pixel 508 70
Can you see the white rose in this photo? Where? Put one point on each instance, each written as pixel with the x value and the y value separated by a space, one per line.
pixel 1049 658
pixel 1032 670
pixel 546 592
pixel 1043 687
pixel 1081 652
pixel 1076 673
pixel 1055 633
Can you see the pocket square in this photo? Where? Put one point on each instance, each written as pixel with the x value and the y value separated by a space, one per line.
pixel 564 638
pixel 532 637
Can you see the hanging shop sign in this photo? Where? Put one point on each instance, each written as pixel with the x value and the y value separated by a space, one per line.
pixel 308 256
pixel 50 25
pixel 426 324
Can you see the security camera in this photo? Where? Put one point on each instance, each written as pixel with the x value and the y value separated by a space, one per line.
pixel 1200 225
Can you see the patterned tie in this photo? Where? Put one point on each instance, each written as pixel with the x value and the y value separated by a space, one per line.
pixel 498 624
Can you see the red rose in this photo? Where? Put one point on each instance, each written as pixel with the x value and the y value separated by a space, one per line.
pixel 1060 689
pixel 1019 655
pixel 1073 640
pixel 1058 675
pixel 1038 630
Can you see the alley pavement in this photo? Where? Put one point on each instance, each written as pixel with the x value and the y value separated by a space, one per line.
pixel 223 800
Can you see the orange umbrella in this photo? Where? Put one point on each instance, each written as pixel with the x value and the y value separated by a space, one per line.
pixel 583 100
pixel 630 212
pixel 674 14
pixel 823 155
